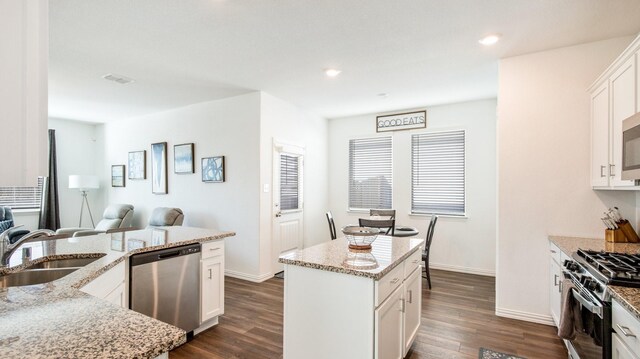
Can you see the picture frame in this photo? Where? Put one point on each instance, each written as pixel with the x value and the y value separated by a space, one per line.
pixel 213 169
pixel 159 177
pixel 183 158
pixel 401 121
pixel 117 176
pixel 137 162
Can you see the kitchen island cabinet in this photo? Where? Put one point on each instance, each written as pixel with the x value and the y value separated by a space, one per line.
pixel 345 304
pixel 74 316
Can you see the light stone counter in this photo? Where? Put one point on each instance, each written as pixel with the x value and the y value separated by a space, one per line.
pixel 335 256
pixel 628 297
pixel 56 320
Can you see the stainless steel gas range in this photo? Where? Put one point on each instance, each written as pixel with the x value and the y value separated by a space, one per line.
pixel 590 273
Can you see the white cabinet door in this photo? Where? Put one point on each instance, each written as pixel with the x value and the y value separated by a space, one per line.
pixel 600 136
pixel 108 285
pixel 623 105
pixel 619 349
pixel 117 296
pixel 388 327
pixel 413 304
pixel 637 81
pixel 555 296
pixel 212 287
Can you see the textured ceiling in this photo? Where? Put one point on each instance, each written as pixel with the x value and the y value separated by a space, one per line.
pixel 419 52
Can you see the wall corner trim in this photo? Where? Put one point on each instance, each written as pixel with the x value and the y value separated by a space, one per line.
pixel 460 269
pixel 525 316
pixel 249 277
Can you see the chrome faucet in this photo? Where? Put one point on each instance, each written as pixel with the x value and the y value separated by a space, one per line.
pixel 7 249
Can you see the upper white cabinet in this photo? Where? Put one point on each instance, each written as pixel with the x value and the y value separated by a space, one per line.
pixel 24 39
pixel 600 136
pixel 623 105
pixel 614 97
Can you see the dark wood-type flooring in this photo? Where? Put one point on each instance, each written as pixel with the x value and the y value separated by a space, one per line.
pixel 457 319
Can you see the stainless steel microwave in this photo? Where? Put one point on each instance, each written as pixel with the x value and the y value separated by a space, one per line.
pixel 631 148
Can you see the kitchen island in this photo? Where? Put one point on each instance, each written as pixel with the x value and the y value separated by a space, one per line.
pixel 58 319
pixel 341 303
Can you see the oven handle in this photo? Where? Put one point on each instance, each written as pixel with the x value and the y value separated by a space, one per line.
pixel 595 309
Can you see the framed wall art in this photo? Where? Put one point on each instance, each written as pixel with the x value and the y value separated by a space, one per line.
pixel 213 169
pixel 159 168
pixel 138 165
pixel 183 158
pixel 117 176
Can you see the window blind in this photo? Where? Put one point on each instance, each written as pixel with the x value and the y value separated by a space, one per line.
pixel 289 182
pixel 21 197
pixel 438 173
pixel 370 173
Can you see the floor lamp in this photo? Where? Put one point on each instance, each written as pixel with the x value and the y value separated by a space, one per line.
pixel 84 183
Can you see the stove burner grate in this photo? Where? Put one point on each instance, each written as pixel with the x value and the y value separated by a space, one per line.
pixel 616 268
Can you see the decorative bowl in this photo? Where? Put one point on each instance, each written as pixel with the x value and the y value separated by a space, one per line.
pixel 360 237
pixel 360 260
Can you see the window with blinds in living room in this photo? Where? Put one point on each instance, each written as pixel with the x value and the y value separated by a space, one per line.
pixel 370 173
pixel 438 173
pixel 22 197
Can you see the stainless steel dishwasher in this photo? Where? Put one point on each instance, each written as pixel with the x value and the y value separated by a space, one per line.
pixel 165 284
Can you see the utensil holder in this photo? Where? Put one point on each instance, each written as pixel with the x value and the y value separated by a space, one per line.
pixel 628 231
pixel 614 236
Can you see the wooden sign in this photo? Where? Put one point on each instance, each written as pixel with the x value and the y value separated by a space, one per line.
pixel 401 121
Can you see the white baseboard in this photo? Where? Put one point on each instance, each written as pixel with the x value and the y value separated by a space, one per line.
pixel 460 269
pixel 527 317
pixel 249 277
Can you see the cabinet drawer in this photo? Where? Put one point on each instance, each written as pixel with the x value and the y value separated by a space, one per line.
pixel 626 326
pixel 412 262
pixel 389 283
pixel 212 249
pixel 555 253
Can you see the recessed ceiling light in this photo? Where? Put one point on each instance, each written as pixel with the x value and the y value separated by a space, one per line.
pixel 332 72
pixel 490 39
pixel 122 80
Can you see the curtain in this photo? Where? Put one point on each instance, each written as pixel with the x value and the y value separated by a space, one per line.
pixel 49 207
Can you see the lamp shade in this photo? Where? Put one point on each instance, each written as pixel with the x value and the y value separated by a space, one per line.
pixel 83 182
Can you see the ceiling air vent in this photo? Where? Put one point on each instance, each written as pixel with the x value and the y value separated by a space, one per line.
pixel 117 78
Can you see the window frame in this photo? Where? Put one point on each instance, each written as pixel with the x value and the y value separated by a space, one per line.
pixel 17 209
pixel 366 137
pixel 450 215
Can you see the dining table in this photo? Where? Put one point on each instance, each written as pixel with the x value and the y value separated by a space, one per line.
pixel 399 230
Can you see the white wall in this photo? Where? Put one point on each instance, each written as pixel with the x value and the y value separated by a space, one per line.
pixel 544 168
pixel 286 123
pixel 77 149
pixel 229 127
pixel 77 154
pixel 460 244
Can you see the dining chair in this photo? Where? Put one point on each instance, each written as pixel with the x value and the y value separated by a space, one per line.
pixel 390 224
pixel 332 225
pixel 427 246
pixel 383 212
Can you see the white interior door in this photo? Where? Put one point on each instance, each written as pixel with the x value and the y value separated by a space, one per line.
pixel 288 162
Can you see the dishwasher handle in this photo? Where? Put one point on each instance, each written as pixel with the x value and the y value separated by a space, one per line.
pixel 163 254
pixel 169 255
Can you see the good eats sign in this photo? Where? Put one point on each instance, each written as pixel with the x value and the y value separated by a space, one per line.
pixel 401 121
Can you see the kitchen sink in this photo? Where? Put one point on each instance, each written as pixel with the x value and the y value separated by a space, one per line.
pixel 63 263
pixel 33 276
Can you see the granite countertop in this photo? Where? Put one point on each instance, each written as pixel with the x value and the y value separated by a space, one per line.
pixel 58 320
pixel 335 256
pixel 571 244
pixel 626 296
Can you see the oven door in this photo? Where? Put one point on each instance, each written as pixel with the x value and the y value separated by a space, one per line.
pixel 631 148
pixel 595 341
